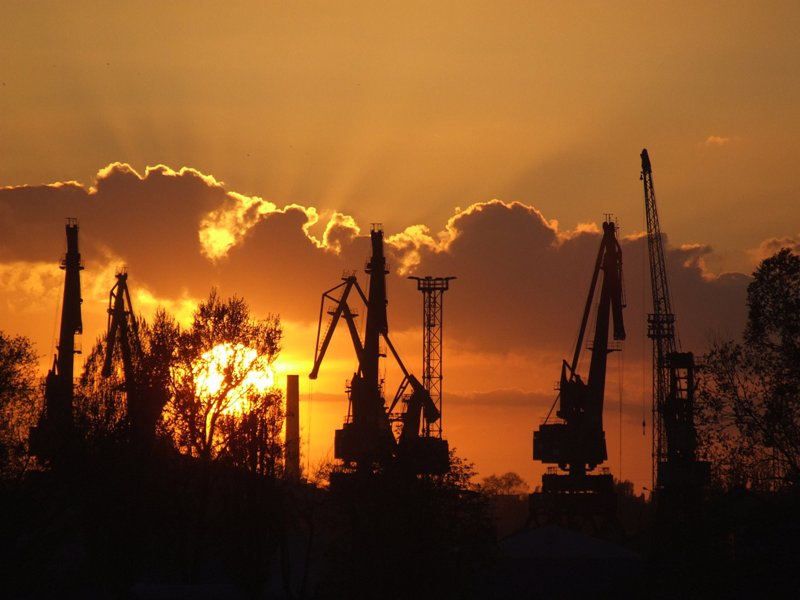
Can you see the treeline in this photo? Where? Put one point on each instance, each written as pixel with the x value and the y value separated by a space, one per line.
pixel 176 478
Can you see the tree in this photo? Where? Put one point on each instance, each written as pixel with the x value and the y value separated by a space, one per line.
pixel 20 402
pixel 102 407
pixel 507 484
pixel 749 401
pixel 100 404
pixel 223 405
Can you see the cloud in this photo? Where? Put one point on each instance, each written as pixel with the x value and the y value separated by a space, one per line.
pixel 521 281
pixel 228 225
pixel 719 140
pixel 772 246
pixel 27 285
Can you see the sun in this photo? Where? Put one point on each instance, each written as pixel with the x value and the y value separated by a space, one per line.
pixel 237 368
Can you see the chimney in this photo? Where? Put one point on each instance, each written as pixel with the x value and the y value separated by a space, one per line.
pixel 293 428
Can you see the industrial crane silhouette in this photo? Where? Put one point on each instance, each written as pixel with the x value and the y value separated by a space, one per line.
pixel 678 475
pixel 366 442
pixel 143 405
pixel 54 434
pixel 575 442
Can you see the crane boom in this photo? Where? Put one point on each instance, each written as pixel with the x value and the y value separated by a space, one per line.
pixel 143 398
pixel 661 322
pixel 122 329
pixel 662 319
pixel 341 309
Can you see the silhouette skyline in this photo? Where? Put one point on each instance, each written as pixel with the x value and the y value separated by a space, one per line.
pixel 244 152
pixel 349 543
pixel 417 118
pixel 530 322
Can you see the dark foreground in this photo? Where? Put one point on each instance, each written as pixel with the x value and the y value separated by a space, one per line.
pixel 125 528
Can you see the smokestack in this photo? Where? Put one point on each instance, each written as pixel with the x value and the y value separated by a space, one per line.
pixel 293 428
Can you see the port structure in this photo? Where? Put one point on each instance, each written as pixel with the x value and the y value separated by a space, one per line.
pixel 376 438
pixel 433 289
pixel 144 399
pixel 574 440
pixel 54 436
pixel 678 476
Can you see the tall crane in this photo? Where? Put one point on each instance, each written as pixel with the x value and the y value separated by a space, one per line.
pixel 367 440
pixel 55 430
pixel 123 334
pixel 676 470
pixel 575 441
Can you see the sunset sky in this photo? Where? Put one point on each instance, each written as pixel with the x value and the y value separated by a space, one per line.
pixel 251 146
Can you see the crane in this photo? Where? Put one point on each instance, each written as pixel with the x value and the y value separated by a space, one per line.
pixel 123 333
pixel 367 439
pixel 55 430
pixel 676 470
pixel 576 440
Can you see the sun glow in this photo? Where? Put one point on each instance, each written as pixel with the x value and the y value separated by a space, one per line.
pixel 236 368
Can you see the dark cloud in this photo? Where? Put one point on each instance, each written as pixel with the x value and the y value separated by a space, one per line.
pixel 707 307
pixel 278 266
pixel 29 215
pixel 150 222
pixel 522 283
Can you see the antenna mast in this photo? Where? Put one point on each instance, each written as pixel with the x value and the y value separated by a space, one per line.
pixel 433 289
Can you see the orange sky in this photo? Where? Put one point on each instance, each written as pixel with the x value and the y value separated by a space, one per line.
pixel 414 115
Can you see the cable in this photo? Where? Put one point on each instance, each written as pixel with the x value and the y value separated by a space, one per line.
pixel 621 378
pixel 644 300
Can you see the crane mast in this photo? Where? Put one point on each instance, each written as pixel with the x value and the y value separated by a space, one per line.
pixel 55 429
pixel 677 474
